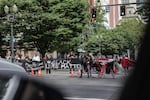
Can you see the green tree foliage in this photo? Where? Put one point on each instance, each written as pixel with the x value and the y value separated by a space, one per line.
pixel 49 24
pixel 134 30
pixel 127 35
pixel 4 28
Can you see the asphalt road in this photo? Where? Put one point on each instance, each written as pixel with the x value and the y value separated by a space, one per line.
pixel 94 88
pixel 99 90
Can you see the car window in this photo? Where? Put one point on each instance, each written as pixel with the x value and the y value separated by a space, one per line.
pixel 4 84
pixel 2 88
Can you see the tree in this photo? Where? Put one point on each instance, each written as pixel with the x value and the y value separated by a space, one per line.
pixel 3 27
pixel 50 24
pixel 127 35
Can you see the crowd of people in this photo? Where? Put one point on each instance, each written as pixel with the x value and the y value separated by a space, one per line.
pixel 122 63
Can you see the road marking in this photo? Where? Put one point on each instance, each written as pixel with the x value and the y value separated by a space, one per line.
pixel 76 98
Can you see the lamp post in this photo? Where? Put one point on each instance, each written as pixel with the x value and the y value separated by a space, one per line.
pixel 11 19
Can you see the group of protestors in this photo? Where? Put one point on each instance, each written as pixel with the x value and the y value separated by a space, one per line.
pixel 121 63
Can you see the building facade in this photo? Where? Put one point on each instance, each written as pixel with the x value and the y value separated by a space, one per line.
pixel 112 11
pixel 91 7
pixel 112 15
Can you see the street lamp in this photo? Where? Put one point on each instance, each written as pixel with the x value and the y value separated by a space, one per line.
pixel 11 19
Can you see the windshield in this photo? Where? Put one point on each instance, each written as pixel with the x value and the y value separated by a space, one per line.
pixel 88 48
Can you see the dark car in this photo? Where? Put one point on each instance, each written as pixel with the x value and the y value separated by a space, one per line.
pixel 8 66
pixel 16 84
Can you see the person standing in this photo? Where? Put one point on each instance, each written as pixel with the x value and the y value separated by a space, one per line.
pixel 35 62
pixel 46 65
pixel 124 63
pixel 84 59
pixel 36 58
pixel 71 58
pixel 71 55
pixel 117 64
pixel 8 57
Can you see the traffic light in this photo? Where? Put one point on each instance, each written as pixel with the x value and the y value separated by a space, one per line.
pixel 122 10
pixel 93 13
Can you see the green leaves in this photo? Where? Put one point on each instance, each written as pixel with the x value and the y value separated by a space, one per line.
pixel 49 23
pixel 63 30
pixel 127 35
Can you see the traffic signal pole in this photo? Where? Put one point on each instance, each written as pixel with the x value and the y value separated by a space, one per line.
pixel 124 4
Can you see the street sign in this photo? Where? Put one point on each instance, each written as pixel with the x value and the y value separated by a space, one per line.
pixel 6 39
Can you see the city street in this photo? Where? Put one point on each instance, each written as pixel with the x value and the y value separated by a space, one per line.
pixel 87 49
pixel 94 88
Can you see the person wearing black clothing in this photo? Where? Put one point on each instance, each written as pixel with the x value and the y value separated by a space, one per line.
pixel 83 63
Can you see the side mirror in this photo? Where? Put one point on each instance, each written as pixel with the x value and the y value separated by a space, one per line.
pixel 27 88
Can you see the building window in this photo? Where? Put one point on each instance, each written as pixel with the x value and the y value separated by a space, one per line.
pixel 130 12
pixel 125 1
pixel 140 0
pixel 107 9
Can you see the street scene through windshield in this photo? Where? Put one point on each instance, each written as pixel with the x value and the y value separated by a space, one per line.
pixel 87 48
